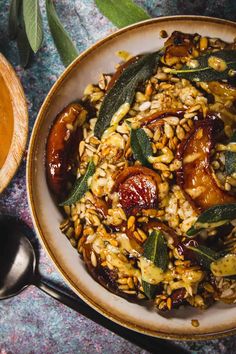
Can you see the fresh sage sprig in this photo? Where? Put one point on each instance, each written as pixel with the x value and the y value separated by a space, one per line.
pixel 63 43
pixel 140 145
pixel 23 44
pixel 123 91
pixel 211 67
pixel 29 33
pixel 33 23
pixel 81 186
pixel 230 158
pixel 215 216
pixel 156 251
pixel 122 12
pixel 25 25
pixel 13 22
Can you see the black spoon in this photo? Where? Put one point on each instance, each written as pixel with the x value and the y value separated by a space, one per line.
pixel 18 269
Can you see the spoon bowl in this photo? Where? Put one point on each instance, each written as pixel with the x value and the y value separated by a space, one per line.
pixel 17 258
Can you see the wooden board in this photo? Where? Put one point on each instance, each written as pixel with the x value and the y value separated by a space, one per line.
pixel 20 122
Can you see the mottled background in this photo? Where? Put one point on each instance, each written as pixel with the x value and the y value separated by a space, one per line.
pixel 33 322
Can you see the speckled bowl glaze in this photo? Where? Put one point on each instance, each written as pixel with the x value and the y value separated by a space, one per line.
pixel 20 122
pixel 218 320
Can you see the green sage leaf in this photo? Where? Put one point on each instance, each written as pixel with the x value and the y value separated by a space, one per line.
pixel 149 290
pixel 155 249
pixel 214 217
pixel 62 40
pixel 81 186
pixel 123 90
pixel 192 231
pixel 218 213
pixel 204 255
pixel 24 48
pixel 230 158
pixel 122 12
pixel 206 73
pixel 23 45
pixel 33 23
pixel 13 20
pixel 140 145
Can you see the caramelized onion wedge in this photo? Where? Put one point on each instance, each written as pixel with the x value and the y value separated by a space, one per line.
pixel 138 189
pixel 195 177
pixel 62 145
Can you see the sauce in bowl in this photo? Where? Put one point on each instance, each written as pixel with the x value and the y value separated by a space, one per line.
pixel 6 121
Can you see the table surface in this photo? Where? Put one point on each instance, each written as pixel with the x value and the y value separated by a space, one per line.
pixel 33 322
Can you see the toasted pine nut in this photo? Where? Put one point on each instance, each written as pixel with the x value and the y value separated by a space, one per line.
pixel 203 43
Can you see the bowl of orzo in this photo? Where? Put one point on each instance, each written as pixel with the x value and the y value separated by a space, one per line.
pixel 132 177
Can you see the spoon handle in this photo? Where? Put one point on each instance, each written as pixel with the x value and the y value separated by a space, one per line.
pixel 151 344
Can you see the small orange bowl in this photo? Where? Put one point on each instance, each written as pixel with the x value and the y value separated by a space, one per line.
pixel 13 122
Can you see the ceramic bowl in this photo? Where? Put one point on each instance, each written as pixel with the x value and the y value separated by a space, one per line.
pixel 216 321
pixel 14 95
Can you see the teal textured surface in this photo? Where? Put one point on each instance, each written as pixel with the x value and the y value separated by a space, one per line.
pixel 33 322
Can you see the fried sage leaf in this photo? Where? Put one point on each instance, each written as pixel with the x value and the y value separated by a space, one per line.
pixel 211 67
pixel 63 43
pixel 213 217
pixel 141 146
pixel 33 23
pixel 230 158
pixel 204 255
pixel 123 12
pixel 156 251
pixel 149 290
pixel 80 186
pixel 123 90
